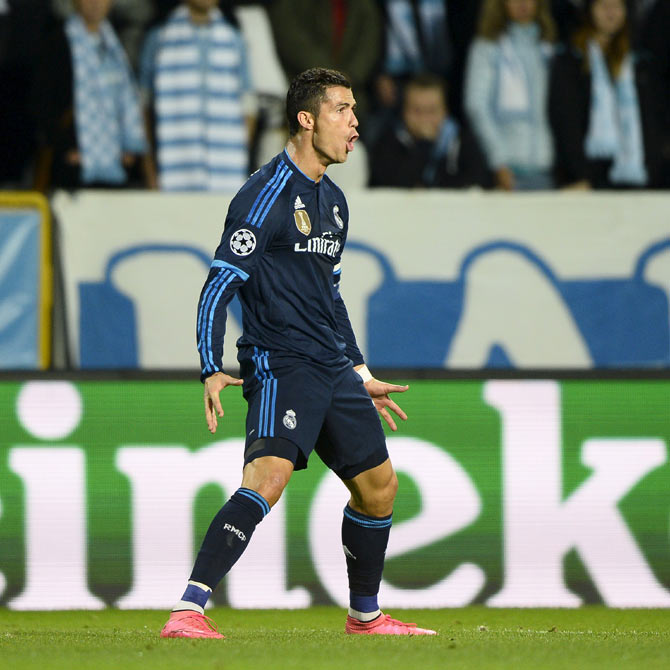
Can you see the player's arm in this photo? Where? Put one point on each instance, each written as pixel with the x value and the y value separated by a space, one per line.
pixel 219 289
pixel 378 390
pixel 343 323
pixel 241 245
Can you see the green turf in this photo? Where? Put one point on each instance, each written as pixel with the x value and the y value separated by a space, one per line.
pixel 474 637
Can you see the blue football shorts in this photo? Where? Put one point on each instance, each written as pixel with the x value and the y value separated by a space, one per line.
pixel 312 407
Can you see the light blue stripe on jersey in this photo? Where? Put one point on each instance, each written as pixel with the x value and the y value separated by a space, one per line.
pixel 206 302
pixel 223 275
pixel 222 264
pixel 209 293
pixel 275 195
pixel 275 177
pixel 206 317
pixel 210 321
pixel 271 195
pixel 206 298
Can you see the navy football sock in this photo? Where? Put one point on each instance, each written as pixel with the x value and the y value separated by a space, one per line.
pixel 364 539
pixel 225 541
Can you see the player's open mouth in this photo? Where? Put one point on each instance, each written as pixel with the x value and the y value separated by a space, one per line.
pixel 350 142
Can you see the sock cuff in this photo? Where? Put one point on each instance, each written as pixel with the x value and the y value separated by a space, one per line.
pixel 244 496
pixel 363 603
pixel 367 521
pixel 195 597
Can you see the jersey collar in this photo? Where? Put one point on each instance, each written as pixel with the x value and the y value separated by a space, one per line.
pixel 299 174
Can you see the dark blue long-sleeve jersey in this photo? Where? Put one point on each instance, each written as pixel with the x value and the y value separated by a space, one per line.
pixel 280 250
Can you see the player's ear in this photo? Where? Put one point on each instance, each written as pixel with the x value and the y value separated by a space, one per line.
pixel 306 120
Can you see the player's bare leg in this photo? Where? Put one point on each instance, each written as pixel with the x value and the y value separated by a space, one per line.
pixel 228 535
pixel 365 532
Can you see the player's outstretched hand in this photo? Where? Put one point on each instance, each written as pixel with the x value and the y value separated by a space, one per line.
pixel 213 386
pixel 379 392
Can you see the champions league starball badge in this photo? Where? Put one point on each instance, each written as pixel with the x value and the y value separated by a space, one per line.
pixel 243 242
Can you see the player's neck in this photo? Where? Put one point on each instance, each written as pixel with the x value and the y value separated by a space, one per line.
pixel 301 152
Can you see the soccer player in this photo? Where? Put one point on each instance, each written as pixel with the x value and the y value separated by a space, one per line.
pixel 304 378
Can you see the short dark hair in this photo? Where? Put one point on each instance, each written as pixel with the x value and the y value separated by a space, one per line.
pixel 308 90
pixel 425 80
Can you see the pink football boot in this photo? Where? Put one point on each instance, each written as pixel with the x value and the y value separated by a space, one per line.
pixel 187 623
pixel 384 625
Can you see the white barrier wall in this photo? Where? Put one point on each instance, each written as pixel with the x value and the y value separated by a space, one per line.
pixel 431 279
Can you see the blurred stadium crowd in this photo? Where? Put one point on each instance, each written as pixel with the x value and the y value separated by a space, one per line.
pixel 507 94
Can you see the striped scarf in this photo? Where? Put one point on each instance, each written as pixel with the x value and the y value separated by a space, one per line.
pixel 200 128
pixel 106 104
pixel 615 129
pixel 416 37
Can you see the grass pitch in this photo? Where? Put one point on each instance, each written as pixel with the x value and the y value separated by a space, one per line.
pixel 473 637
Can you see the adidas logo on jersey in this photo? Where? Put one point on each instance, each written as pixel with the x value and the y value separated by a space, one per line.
pixel 298 204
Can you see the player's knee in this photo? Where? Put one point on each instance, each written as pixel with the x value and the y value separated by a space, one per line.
pixel 272 485
pixel 379 500
pixel 267 476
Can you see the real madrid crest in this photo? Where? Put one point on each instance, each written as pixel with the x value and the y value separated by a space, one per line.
pixel 338 218
pixel 290 420
pixel 302 222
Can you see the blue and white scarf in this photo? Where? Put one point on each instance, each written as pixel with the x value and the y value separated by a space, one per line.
pixel 199 86
pixel 520 50
pixel 107 113
pixel 615 129
pixel 404 52
pixel 445 148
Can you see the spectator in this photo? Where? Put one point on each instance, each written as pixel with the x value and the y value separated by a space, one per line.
pixel 567 15
pixel 428 148
pixel 340 34
pixel 194 71
pixel 652 28
pixel 130 19
pixel 270 83
pixel 606 133
pixel 88 116
pixel 462 23
pixel 416 40
pixel 22 26
pixel 506 91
